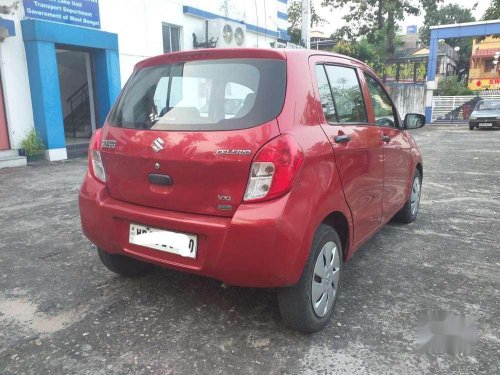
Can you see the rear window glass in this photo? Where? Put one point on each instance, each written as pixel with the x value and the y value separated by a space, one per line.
pixel 202 95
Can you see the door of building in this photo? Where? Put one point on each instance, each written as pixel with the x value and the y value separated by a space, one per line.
pixel 4 135
pixel 77 95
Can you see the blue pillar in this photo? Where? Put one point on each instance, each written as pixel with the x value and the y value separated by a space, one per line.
pixel 431 75
pixel 433 53
pixel 107 81
pixel 45 95
pixel 40 38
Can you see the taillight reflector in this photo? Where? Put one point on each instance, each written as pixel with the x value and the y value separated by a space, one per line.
pixel 95 161
pixel 274 169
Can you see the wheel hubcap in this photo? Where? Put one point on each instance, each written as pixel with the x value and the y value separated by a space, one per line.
pixel 325 279
pixel 415 196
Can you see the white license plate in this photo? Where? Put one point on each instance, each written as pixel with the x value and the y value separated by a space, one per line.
pixel 181 244
pixel 486 125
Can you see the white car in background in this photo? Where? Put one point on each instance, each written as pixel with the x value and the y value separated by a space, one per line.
pixel 486 114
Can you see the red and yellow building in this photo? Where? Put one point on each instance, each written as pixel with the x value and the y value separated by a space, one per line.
pixel 484 73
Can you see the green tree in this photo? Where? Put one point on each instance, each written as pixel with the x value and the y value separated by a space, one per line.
pixel 430 8
pixel 371 51
pixel 295 20
pixel 446 15
pixel 493 12
pixel 374 19
pixel 451 86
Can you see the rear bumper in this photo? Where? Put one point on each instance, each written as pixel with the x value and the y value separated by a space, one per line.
pixel 477 124
pixel 249 249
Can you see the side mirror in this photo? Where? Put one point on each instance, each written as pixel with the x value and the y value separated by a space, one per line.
pixel 414 121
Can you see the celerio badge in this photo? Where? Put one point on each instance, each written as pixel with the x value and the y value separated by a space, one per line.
pixel 233 152
pixel 158 145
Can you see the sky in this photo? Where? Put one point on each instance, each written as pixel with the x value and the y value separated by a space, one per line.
pixel 334 20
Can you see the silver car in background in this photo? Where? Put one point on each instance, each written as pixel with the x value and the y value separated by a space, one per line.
pixel 486 114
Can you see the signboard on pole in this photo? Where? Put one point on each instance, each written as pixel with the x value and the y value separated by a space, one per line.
pixel 73 12
pixel 306 23
pixel 412 29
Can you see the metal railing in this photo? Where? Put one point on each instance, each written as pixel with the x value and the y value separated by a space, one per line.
pixel 78 116
pixel 456 109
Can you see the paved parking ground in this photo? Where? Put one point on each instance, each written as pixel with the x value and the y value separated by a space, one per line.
pixel 62 312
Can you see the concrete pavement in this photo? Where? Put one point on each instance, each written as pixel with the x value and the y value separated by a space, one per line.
pixel 61 311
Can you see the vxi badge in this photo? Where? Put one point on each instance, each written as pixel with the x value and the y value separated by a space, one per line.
pixel 233 152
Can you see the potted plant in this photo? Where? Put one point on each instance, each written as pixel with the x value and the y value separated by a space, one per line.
pixel 32 146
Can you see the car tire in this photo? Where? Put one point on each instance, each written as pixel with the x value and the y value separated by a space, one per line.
pixel 471 127
pixel 409 212
pixel 296 302
pixel 124 266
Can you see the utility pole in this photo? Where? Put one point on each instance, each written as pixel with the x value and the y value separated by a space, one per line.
pixel 306 23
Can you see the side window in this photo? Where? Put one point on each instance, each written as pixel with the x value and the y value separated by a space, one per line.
pixel 325 94
pixel 347 94
pixel 385 114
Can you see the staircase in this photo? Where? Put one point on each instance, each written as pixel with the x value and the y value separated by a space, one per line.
pixel 77 123
pixel 455 109
pixel 11 158
pixel 450 109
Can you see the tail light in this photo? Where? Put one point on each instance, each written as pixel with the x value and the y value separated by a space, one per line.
pixel 95 161
pixel 274 169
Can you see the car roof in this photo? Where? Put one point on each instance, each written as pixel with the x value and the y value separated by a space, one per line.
pixel 313 52
pixel 231 53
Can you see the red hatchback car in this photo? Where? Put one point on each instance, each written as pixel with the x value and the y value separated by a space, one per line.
pixel 260 168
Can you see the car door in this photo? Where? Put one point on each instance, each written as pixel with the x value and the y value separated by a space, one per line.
pixel 396 146
pixel 357 145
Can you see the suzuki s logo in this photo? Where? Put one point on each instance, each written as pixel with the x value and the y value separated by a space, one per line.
pixel 158 145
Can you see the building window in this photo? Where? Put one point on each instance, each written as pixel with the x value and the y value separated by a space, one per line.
pixel 171 38
pixel 488 66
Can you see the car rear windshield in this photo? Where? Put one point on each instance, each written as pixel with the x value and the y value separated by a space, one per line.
pixel 202 95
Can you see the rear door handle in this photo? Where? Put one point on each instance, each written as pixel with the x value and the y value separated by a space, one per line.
pixel 386 138
pixel 342 139
pixel 160 179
